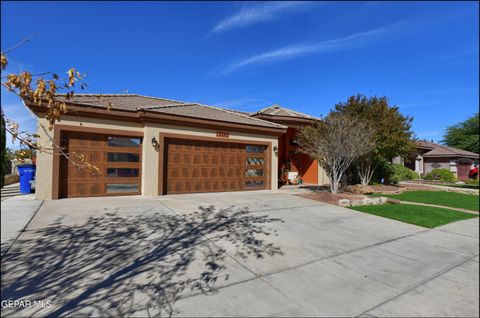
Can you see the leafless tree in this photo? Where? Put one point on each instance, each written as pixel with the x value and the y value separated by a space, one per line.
pixel 336 142
pixel 366 166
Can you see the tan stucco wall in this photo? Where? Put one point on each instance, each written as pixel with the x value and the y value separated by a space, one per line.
pixel 431 163
pixel 150 179
pixel 322 176
pixel 150 157
pixel 43 174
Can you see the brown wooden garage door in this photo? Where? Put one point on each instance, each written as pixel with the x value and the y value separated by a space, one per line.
pixel 209 166
pixel 117 157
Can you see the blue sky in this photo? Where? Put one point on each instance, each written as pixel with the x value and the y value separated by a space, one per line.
pixel 242 55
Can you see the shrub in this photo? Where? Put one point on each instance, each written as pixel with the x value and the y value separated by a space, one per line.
pixel 400 173
pixel 472 182
pixel 382 171
pixel 441 174
pixel 394 180
pixel 393 173
pixel 11 178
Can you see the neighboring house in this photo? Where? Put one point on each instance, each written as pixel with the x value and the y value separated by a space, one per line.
pixel 154 146
pixel 429 156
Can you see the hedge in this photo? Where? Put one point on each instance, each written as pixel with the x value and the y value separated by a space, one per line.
pixel 441 174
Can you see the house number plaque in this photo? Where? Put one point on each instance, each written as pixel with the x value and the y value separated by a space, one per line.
pixel 222 134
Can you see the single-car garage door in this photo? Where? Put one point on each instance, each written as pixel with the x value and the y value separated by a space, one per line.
pixel 210 166
pixel 117 157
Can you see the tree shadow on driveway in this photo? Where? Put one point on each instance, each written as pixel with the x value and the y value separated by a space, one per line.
pixel 116 265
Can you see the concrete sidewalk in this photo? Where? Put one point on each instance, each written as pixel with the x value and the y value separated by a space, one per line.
pixel 441 188
pixel 440 206
pixel 10 191
pixel 16 213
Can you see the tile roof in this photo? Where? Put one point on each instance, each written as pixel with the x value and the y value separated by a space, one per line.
pixel 277 110
pixel 443 151
pixel 425 144
pixel 121 101
pixel 134 102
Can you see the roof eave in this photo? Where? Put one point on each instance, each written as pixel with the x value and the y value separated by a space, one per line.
pixel 146 115
pixel 282 118
pixel 451 156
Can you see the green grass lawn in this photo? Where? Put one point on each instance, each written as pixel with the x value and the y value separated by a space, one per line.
pixel 415 214
pixel 450 199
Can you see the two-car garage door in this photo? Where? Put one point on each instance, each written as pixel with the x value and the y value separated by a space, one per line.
pixel 210 166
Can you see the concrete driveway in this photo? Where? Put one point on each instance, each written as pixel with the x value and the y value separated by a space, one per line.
pixel 236 254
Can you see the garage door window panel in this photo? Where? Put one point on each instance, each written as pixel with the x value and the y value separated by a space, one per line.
pixel 124 142
pixel 122 172
pixel 254 173
pixel 255 149
pixel 123 157
pixel 122 188
pixel 254 184
pixel 255 160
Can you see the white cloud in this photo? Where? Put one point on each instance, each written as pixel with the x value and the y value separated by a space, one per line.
pixel 258 13
pixel 244 104
pixel 293 51
pixel 468 51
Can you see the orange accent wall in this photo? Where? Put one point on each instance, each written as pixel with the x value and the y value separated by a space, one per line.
pixel 301 163
pixel 308 170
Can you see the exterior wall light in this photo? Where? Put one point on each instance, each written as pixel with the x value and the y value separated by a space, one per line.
pixel 154 143
pixel 275 150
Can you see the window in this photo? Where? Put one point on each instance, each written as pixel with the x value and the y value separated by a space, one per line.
pixel 122 172
pixel 255 149
pixel 253 184
pixel 254 173
pixel 122 188
pixel 254 161
pixel 123 157
pixel 123 142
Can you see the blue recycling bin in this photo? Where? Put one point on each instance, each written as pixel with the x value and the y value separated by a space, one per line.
pixel 27 173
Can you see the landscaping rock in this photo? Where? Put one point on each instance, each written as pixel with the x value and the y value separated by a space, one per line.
pixel 357 202
pixel 372 201
pixel 360 189
pixel 393 201
pixel 344 202
pixel 360 202
pixel 367 201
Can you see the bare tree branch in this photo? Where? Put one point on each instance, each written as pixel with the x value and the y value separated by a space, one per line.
pixel 335 143
pixel 19 44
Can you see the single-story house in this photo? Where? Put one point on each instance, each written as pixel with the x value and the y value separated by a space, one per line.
pixel 428 156
pixel 154 146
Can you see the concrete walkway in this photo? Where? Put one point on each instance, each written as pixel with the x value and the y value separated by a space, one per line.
pixel 440 206
pixel 238 254
pixel 10 191
pixel 441 188
pixel 16 213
